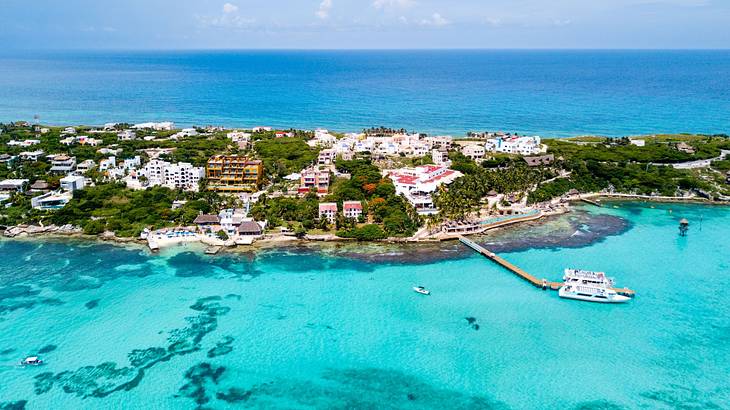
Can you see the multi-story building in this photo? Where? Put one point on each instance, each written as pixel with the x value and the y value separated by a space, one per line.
pixel 73 183
pixel 326 156
pixel 182 175
pixel 474 151
pixel 515 145
pixel 232 173
pixel 63 164
pixel 314 177
pixel 328 210
pixel 352 209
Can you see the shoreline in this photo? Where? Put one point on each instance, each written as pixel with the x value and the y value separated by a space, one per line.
pixel 281 241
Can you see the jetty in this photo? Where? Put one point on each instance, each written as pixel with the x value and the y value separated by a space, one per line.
pixel 592 202
pixel 534 281
pixel 213 250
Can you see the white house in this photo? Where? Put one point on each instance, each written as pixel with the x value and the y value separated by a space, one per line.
pixel 328 210
pixel 515 145
pixel 352 209
pixel 73 183
pixel 474 151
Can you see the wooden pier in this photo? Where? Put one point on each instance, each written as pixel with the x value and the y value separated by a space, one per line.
pixel 539 283
pixel 592 202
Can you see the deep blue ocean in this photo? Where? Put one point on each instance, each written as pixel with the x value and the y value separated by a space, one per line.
pixel 553 93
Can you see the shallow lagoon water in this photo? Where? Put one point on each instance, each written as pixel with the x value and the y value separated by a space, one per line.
pixel 298 328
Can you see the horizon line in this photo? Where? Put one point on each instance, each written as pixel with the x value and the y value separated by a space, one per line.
pixel 173 49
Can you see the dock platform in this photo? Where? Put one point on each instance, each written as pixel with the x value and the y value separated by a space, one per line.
pixel 212 250
pixel 534 281
pixel 592 202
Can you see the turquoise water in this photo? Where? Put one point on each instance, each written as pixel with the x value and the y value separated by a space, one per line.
pixel 552 92
pixel 299 328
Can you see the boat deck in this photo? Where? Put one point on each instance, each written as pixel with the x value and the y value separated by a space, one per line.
pixel 540 283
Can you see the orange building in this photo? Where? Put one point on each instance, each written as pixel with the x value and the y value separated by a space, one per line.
pixel 231 173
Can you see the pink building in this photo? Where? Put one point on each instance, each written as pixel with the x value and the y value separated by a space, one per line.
pixel 314 177
pixel 352 209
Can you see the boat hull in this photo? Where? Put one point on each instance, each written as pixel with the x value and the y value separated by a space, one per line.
pixel 613 298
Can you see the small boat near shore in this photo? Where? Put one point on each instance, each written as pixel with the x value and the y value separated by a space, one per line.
pixel 31 361
pixel 591 293
pixel 421 290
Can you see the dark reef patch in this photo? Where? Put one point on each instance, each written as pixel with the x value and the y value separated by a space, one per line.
pixel 683 397
pixel 6 351
pixel 337 389
pixel 234 395
pixel 574 230
pixel 599 405
pixel 223 347
pixel 13 405
pixel 472 321
pixel 92 303
pixel 104 379
pixel 47 349
pixel 197 377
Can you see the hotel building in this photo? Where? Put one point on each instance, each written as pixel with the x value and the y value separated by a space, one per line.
pixel 232 173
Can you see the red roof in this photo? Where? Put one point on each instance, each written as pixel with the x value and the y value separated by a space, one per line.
pixel 352 205
pixel 328 207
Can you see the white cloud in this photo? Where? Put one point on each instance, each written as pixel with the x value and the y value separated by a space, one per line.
pixel 229 8
pixel 324 9
pixel 384 4
pixel 229 18
pixel 436 20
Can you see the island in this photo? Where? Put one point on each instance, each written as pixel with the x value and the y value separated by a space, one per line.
pixel 233 187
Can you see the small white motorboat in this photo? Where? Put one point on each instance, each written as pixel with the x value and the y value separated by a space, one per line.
pixel 421 290
pixel 31 361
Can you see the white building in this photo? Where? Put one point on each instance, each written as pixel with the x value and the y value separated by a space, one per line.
pixel 107 164
pixel 515 145
pixel 182 175
pixel 417 184
pixel 474 151
pixel 352 209
pixel 127 135
pixel 326 156
pixel 73 183
pixel 439 157
pixel 328 210
pixel 85 166
pixel 63 164
pixel 157 126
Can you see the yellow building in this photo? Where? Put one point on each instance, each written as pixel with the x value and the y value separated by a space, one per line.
pixel 231 173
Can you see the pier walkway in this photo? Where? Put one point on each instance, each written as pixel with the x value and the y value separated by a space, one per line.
pixel 534 281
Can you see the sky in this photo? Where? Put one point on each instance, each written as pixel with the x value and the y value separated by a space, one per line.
pixel 356 24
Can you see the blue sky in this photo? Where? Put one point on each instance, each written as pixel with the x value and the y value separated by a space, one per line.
pixel 200 24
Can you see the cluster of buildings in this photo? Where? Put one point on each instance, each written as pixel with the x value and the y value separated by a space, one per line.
pixel 234 222
pixel 350 210
pixel 417 184
pixel 379 145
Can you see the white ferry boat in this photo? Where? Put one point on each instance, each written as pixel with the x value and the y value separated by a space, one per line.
pixel 586 277
pixel 591 293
